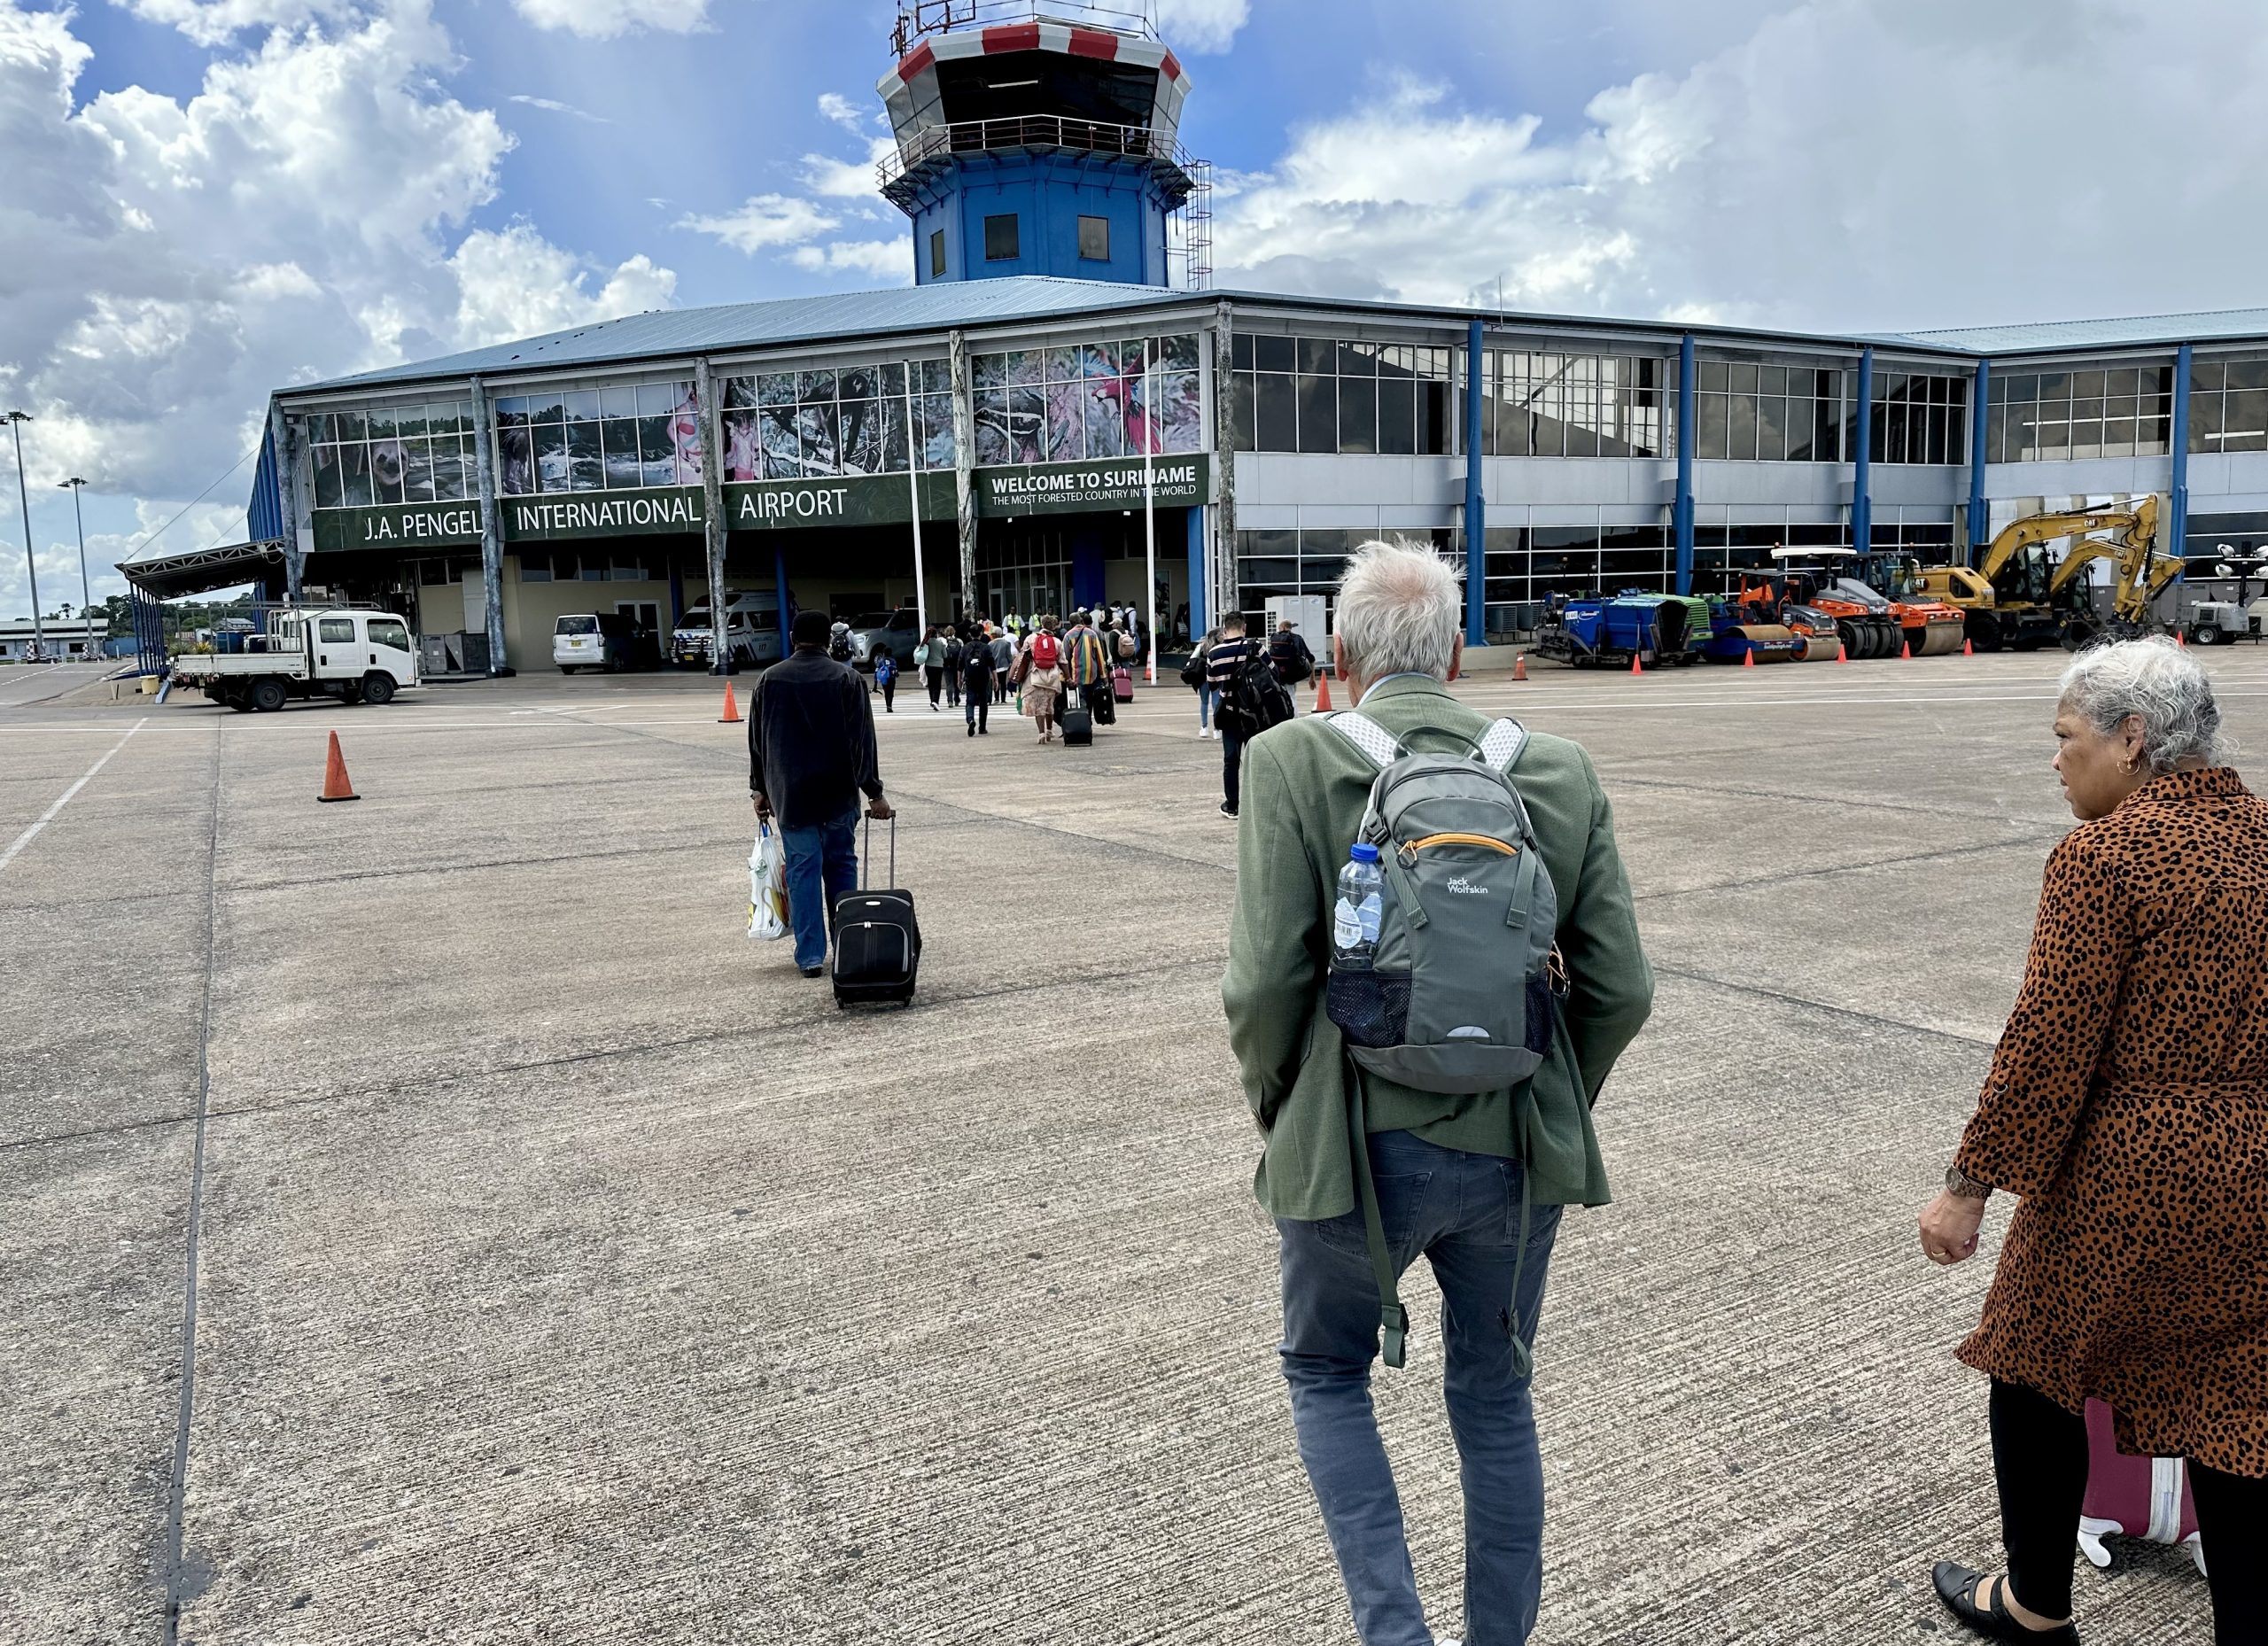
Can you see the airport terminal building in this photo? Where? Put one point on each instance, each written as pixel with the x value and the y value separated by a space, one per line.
pixel 1059 399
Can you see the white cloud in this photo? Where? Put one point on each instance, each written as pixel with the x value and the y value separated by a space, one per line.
pixel 847 179
pixel 169 262
pixel 552 106
pixel 887 260
pixel 764 220
pixel 215 22
pixel 604 20
pixel 841 111
pixel 1852 163
pixel 1202 24
pixel 515 284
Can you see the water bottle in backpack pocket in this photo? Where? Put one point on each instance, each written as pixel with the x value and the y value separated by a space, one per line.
pixel 1456 994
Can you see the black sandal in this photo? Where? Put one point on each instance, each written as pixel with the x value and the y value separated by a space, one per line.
pixel 1957 1586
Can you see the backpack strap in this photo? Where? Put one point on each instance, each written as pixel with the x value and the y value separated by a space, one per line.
pixel 1394 1319
pixel 1377 744
pixel 1504 743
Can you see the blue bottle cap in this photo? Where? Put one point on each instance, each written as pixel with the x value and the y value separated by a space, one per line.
pixel 1364 853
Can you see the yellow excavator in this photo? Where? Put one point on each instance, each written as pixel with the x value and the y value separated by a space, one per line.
pixel 2018 596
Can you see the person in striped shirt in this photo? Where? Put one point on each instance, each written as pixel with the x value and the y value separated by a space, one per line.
pixel 1222 660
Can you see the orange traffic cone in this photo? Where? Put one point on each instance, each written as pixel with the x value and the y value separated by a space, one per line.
pixel 1748 658
pixel 1841 652
pixel 334 785
pixel 2180 640
pixel 1905 650
pixel 732 715
pixel 1519 665
pixel 1635 667
pixel 1968 649
pixel 1323 694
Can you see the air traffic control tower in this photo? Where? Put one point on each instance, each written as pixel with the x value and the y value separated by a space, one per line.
pixel 1040 140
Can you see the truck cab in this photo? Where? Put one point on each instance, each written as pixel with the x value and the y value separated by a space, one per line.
pixel 352 654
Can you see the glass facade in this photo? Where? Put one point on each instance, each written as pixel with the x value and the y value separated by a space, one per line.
pixel 1321 394
pixel 418 453
pixel 613 439
pixel 1920 417
pixel 1085 402
pixel 2228 405
pixel 1746 411
pixel 2081 411
pixel 1540 405
pixel 846 420
pixel 1310 560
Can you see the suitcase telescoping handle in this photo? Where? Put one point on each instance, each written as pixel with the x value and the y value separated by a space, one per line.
pixel 866 857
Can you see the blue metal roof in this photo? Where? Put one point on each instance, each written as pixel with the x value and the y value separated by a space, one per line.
pixel 2063 336
pixel 675 332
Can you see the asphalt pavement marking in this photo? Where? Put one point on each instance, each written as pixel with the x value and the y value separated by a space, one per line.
pixel 48 816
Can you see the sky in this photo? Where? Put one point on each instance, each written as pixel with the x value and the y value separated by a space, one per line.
pixel 205 200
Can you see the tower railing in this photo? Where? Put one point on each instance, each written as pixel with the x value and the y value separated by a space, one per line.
pixel 1026 131
pixel 917 20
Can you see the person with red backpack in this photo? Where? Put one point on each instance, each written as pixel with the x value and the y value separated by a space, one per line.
pixel 1042 677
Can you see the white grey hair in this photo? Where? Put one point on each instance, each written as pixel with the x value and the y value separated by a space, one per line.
pixel 1398 611
pixel 2156 681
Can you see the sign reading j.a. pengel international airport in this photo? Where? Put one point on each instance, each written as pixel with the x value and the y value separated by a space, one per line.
pixel 768 505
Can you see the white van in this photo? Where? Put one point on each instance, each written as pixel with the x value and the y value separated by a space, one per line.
pixel 591 640
pixel 752 633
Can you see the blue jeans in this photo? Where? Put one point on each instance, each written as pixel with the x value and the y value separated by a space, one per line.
pixel 1206 696
pixel 1463 1211
pixel 826 849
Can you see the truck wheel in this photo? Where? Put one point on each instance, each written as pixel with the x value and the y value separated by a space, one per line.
pixel 268 695
pixel 377 688
pixel 238 702
pixel 2204 634
pixel 1984 631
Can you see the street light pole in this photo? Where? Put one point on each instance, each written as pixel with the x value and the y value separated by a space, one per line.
pixel 79 519
pixel 17 420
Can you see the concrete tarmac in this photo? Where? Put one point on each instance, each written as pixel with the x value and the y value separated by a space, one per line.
pixel 548 1263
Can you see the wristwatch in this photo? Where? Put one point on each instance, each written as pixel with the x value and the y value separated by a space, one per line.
pixel 1959 1181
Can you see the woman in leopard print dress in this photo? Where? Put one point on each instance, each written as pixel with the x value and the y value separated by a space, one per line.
pixel 2127 1110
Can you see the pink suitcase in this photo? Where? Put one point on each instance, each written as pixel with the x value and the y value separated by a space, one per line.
pixel 2144 1497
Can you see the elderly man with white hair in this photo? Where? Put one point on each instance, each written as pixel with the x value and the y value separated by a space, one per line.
pixel 1474 1181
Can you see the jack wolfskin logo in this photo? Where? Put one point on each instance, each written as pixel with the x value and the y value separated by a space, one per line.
pixel 1464 887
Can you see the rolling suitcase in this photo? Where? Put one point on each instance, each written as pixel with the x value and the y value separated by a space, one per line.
pixel 2140 1497
pixel 1078 724
pixel 1122 684
pixel 877 940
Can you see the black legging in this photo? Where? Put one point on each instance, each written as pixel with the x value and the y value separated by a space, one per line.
pixel 936 685
pixel 2039 1459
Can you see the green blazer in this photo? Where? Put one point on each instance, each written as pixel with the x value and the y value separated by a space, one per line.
pixel 1304 788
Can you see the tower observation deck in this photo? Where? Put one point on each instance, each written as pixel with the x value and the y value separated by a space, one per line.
pixel 1041 139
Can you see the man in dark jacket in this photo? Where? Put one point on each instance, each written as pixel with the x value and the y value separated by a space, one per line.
pixel 976 683
pixel 810 746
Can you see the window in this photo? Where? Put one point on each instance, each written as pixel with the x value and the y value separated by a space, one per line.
pixel 1544 404
pixel 1000 242
pixel 2228 405
pixel 334 631
pixel 1324 394
pixel 620 437
pixel 1758 413
pixel 798 425
pixel 1311 560
pixel 1088 401
pixel 386 632
pixel 421 452
pixel 1094 239
pixel 936 253
pixel 1923 418
pixel 2105 411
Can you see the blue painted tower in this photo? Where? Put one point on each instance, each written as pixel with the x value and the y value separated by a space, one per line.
pixel 1039 146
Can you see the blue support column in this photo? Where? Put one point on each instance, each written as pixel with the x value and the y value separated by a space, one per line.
pixel 1682 509
pixel 1476 505
pixel 1863 502
pixel 1978 519
pixel 2176 529
pixel 779 579
pixel 1197 624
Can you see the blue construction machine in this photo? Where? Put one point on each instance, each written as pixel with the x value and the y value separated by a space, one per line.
pixel 1590 630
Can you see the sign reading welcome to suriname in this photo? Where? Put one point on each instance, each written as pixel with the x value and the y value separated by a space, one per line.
pixel 768 505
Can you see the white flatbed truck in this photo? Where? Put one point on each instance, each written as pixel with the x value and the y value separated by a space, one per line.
pixel 357 656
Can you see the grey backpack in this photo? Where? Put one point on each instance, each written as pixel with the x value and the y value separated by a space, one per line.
pixel 1463 989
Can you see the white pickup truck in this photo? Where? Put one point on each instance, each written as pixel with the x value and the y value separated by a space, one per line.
pixel 356 657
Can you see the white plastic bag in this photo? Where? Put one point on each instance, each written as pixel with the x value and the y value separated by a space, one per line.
pixel 768 888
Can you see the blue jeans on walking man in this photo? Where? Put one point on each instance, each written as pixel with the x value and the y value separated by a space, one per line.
pixel 1463 1212
pixel 828 853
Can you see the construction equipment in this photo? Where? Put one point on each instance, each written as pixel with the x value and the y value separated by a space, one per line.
pixel 1929 627
pixel 1590 630
pixel 1863 619
pixel 2223 622
pixel 2019 596
pixel 1740 632
pixel 1818 640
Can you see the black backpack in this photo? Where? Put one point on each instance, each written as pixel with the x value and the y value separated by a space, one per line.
pixel 1292 660
pixel 1259 699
